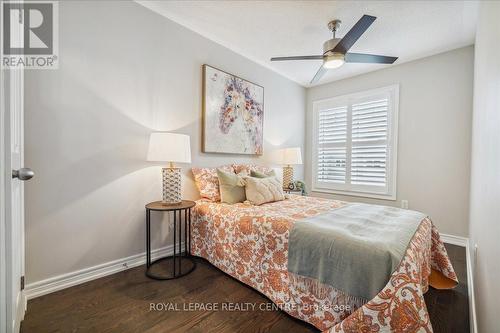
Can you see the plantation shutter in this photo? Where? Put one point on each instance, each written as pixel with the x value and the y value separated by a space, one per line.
pixel 332 141
pixel 354 143
pixel 369 142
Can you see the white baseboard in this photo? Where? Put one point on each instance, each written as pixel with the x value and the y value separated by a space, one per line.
pixel 67 280
pixel 454 240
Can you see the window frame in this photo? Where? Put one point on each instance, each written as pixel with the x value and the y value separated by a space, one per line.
pixel 367 191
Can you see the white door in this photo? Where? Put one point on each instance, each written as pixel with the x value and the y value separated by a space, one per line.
pixel 12 201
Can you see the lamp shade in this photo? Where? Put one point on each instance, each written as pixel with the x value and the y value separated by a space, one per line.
pixel 291 156
pixel 169 147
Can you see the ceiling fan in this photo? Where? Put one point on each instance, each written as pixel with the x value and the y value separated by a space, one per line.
pixel 335 50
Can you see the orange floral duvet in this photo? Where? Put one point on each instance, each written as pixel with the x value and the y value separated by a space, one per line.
pixel 250 243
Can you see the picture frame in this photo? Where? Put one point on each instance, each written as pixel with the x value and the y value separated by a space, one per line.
pixel 232 114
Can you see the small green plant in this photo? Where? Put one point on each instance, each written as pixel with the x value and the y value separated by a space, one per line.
pixel 300 185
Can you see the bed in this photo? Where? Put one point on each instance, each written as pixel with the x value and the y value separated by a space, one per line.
pixel 251 244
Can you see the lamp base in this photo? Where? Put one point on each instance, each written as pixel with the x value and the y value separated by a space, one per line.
pixel 287 176
pixel 171 186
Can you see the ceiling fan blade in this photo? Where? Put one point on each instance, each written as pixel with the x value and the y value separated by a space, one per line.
pixel 321 71
pixel 311 57
pixel 369 58
pixel 353 35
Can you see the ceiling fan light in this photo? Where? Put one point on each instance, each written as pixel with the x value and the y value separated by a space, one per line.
pixel 334 61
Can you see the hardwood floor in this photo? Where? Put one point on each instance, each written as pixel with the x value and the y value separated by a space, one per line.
pixel 449 309
pixel 121 303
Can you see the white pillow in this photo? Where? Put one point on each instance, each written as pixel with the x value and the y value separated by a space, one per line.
pixel 261 190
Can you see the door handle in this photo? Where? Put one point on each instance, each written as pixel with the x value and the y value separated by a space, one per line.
pixel 23 173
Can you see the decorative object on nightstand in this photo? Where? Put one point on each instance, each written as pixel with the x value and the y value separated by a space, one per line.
pixel 170 147
pixel 178 258
pixel 296 187
pixel 289 157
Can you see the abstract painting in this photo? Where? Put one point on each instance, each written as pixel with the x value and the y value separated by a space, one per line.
pixel 233 114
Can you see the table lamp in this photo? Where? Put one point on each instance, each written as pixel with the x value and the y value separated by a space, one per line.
pixel 290 156
pixel 170 147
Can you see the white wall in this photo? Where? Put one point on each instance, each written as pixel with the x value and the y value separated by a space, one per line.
pixel 485 170
pixel 434 133
pixel 124 72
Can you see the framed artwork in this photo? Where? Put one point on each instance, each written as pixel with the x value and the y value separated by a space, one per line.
pixel 233 114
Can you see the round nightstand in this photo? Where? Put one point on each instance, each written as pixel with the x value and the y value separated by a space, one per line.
pixel 180 210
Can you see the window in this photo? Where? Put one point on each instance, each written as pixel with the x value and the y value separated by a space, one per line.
pixel 355 144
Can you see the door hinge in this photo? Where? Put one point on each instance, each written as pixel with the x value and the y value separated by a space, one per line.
pixel 22 282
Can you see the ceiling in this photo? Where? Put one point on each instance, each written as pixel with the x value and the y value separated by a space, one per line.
pixel 260 30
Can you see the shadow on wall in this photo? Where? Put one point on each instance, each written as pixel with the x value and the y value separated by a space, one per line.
pixel 97 144
pixel 93 145
pixel 83 153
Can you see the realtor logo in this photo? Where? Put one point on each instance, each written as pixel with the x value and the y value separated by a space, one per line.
pixel 30 34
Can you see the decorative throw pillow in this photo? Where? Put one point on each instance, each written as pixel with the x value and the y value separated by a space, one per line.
pixel 261 190
pixel 251 167
pixel 207 181
pixel 232 187
pixel 258 174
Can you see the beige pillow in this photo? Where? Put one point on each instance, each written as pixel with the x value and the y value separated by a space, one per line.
pixel 232 187
pixel 258 174
pixel 261 190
